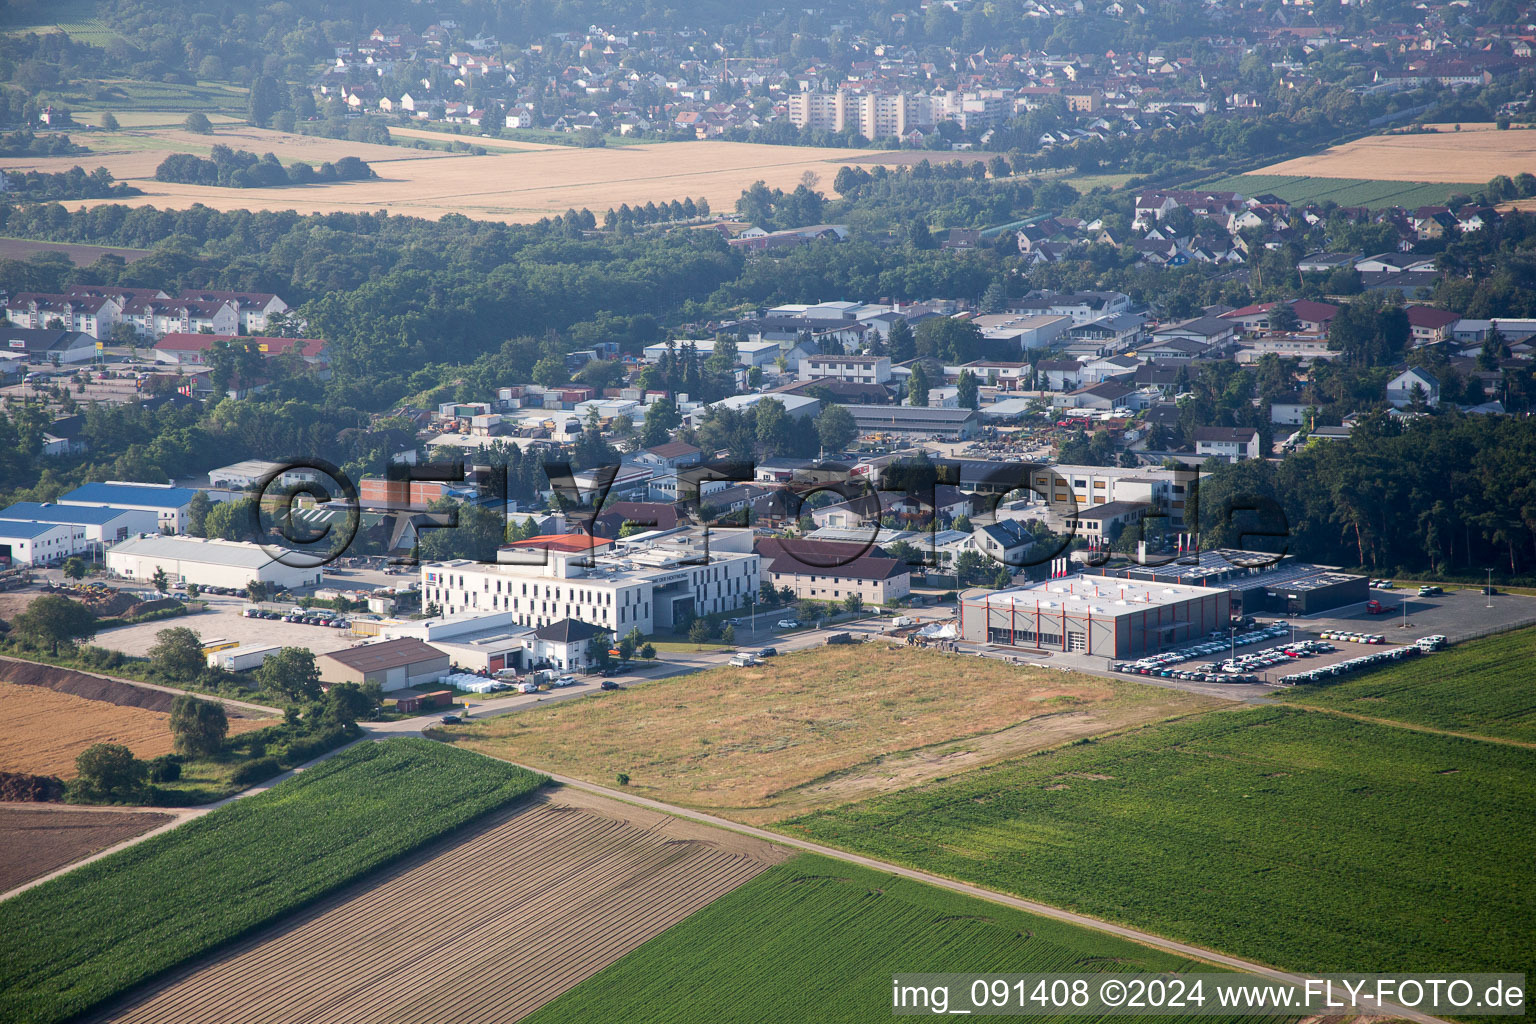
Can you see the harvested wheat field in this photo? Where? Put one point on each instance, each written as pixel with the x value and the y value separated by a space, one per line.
pixel 36 840
pixel 45 729
pixel 817 728
pixel 1476 153
pixel 486 926
pixel 519 182
pixel 132 154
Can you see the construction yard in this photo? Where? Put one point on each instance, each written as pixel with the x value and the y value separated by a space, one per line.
pixel 819 728
pixel 487 925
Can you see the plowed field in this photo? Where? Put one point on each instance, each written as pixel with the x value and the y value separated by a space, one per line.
pixel 486 927
pixel 38 839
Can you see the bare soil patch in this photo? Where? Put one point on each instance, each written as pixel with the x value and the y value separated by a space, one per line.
pixel 80 255
pixel 83 684
pixel 37 840
pixel 51 719
pixel 818 728
pixel 1476 153
pixel 46 730
pixel 486 926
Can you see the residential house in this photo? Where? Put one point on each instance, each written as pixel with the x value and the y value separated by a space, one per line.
pixel 1231 443
pixel 1414 381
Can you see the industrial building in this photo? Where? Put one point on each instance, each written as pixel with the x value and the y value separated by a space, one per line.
pixel 97 527
pixel 914 421
pixel 1257 583
pixel 393 664
pixel 475 642
pixel 207 563
pixel 170 504
pixel 37 543
pixel 1093 615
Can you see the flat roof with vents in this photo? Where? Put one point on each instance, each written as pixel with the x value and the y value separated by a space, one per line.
pixel 1095 595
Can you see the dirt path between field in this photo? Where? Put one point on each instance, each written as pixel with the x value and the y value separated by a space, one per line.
pixel 415 727
pixel 1410 726
pixel 965 888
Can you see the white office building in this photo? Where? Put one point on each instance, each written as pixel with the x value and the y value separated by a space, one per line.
pixel 653 581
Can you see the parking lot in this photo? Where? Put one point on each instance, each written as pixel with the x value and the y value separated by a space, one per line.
pixel 120 388
pixel 1457 614
pixel 223 620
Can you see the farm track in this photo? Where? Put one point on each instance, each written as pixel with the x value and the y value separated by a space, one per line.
pixel 1413 726
pixel 484 927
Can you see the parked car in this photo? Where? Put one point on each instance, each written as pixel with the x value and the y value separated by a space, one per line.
pixel 565 681
pixel 789 623
pixel 1429 591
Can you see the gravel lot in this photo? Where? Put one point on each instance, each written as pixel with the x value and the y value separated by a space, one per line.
pixel 223 619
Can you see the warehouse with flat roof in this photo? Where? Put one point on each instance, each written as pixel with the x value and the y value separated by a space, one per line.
pixel 1093 615
pixel 1258 581
pixel 207 563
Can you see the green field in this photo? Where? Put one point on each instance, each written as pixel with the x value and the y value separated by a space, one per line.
pixel 816 939
pixel 1482 688
pixel 1344 191
pixel 1304 840
pixel 99 930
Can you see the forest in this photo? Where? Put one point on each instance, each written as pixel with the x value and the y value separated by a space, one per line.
pixel 1443 493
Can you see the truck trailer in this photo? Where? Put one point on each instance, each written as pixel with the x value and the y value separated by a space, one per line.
pixel 241 659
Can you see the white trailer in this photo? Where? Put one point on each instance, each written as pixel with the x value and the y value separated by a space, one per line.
pixel 241 659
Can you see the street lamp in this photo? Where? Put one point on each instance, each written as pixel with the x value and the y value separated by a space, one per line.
pixel 1488 591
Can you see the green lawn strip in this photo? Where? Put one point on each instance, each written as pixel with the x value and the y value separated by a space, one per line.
pixel 1481 687
pixel 817 939
pixel 96 932
pixel 1306 841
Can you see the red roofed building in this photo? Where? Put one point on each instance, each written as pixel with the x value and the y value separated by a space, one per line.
pixel 184 349
pixel 1429 324
pixel 564 543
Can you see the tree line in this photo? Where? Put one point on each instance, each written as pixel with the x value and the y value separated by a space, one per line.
pixel 239 168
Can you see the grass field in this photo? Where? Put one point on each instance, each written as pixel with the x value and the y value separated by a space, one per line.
pixel 1344 191
pixel 482 927
pixel 1476 153
pixel 1304 840
pixel 816 939
pixel 1482 688
pixel 95 932
pixel 818 727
